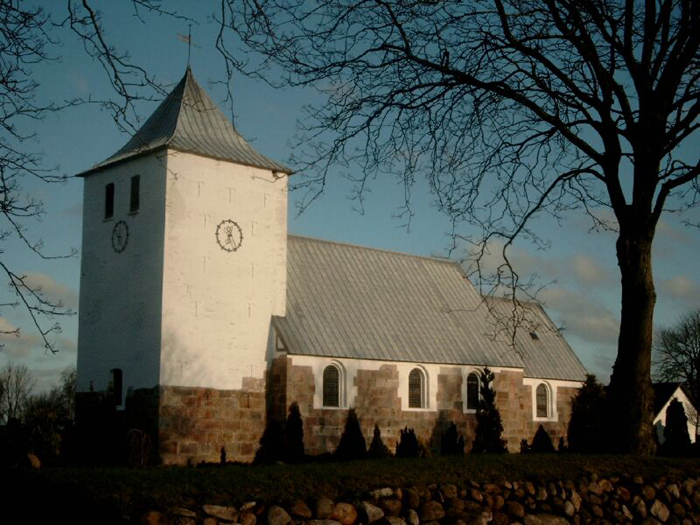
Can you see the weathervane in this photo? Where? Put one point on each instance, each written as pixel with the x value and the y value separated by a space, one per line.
pixel 188 40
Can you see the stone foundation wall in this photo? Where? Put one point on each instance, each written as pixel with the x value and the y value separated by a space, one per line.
pixel 196 423
pixel 378 401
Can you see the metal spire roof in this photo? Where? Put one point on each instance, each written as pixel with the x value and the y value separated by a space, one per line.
pixel 188 120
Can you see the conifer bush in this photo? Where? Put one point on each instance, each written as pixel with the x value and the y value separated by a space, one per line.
pixel 294 435
pixel 452 442
pixel 562 445
pixel 541 443
pixel 677 439
pixel 377 448
pixel 586 432
pixel 352 443
pixel 408 446
pixel 524 446
pixel 489 427
pixel 271 444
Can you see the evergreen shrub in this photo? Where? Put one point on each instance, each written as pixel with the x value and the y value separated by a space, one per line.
pixel 377 448
pixel 677 439
pixel 488 419
pixel 452 442
pixel 408 446
pixel 294 435
pixel 271 444
pixel 586 432
pixel 352 443
pixel 541 443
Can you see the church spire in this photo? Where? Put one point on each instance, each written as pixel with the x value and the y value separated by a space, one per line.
pixel 188 120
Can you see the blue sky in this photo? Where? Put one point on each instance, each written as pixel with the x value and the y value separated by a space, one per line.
pixel 584 292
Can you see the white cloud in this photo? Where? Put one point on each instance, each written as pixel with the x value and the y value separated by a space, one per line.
pixel 581 269
pixel 681 288
pixel 52 290
pixel 583 317
pixel 16 345
pixel 589 272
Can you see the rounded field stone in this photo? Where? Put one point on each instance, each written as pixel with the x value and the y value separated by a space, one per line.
pixel 431 511
pixel 344 513
pixel 569 508
pixel 324 508
pixel 411 498
pixel 371 512
pixel 498 502
pixel 515 509
pixel 648 492
pixel 220 512
pixel 278 516
pixel 247 518
pixel 153 517
pixel 449 491
pixel 412 517
pixel 391 507
pixel 660 511
pixel 300 509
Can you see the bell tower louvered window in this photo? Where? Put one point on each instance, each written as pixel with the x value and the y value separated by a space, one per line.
pixel 331 386
pixel 416 389
pixel 109 200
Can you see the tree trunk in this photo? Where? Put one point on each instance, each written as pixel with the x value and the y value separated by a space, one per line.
pixel 630 394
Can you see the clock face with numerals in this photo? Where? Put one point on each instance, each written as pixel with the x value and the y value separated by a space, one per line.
pixel 229 236
pixel 120 236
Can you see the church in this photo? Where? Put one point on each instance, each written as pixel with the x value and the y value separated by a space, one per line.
pixel 200 312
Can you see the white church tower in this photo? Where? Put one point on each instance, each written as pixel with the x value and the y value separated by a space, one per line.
pixel 183 266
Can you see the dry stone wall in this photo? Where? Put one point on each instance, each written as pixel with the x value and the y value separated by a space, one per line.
pixel 587 500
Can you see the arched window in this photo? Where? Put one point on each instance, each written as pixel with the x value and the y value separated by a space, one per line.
pixel 472 391
pixel 542 398
pixel 331 386
pixel 416 389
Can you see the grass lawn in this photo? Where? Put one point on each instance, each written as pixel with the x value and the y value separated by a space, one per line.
pixel 120 491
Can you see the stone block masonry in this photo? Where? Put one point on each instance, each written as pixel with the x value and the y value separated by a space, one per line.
pixel 196 423
pixel 378 401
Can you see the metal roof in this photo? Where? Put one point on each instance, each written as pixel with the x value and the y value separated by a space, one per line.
pixel 353 302
pixel 188 120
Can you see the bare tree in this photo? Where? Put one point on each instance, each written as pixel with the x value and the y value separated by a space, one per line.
pixel 23 44
pixel 512 109
pixel 677 356
pixel 29 38
pixel 17 384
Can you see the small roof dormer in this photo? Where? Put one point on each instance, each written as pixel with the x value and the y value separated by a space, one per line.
pixel 188 120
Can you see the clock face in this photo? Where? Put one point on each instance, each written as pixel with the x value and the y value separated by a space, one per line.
pixel 120 236
pixel 229 235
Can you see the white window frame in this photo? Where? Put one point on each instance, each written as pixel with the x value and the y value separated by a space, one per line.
pixel 426 391
pixel 318 368
pixel 551 387
pixel 342 397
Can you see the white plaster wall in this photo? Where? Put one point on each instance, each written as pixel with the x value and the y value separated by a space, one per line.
pixel 690 412
pixel 217 305
pixel 120 293
pixel 350 367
